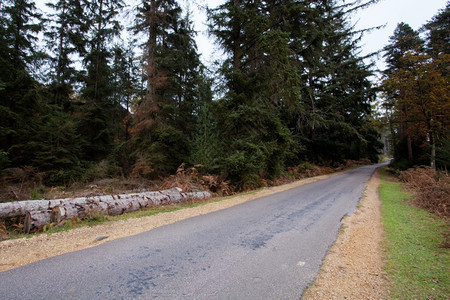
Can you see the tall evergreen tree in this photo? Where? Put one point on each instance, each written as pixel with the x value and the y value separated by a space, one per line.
pixel 404 40
pixel 19 102
pixel 438 29
pixel 64 36
pixel 337 91
pixel 258 72
pixel 164 118
pixel 97 122
pixel 291 64
pixel 125 75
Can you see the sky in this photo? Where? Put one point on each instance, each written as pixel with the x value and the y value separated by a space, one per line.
pixel 386 12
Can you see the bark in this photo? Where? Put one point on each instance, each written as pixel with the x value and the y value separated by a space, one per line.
pixel 20 208
pixel 410 151
pixel 433 151
pixel 36 220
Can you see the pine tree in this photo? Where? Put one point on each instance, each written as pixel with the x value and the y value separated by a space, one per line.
pixel 126 89
pixel 97 122
pixel 64 37
pixel 404 40
pixel 205 139
pixel 258 75
pixel 19 103
pixel 291 64
pixel 164 118
pixel 438 30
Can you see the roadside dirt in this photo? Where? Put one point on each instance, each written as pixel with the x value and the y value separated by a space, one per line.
pixel 351 270
pixel 353 267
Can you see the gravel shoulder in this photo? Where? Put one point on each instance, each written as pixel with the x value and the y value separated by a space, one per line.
pixel 352 269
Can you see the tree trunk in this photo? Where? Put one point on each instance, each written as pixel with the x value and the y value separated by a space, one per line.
pixel 109 204
pixel 410 151
pixel 433 151
pixel 20 208
pixel 41 212
pixel 36 220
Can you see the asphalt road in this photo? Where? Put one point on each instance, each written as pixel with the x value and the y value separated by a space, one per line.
pixel 268 248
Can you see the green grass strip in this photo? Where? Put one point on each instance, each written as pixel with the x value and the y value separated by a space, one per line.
pixel 416 262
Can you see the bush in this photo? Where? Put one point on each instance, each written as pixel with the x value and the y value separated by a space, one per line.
pixel 431 188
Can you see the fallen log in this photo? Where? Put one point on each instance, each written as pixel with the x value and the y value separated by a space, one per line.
pixel 36 220
pixel 19 208
pixel 113 205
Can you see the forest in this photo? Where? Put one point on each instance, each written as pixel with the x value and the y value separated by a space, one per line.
pixel 80 100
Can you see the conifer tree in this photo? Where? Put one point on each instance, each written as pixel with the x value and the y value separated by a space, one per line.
pixel 97 122
pixel 125 75
pixel 291 64
pixel 404 40
pixel 438 33
pixel 64 36
pixel 19 102
pixel 257 72
pixel 339 89
pixel 164 118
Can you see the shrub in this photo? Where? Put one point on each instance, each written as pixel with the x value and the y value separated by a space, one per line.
pixel 432 189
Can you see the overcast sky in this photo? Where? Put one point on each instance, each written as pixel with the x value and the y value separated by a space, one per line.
pixel 385 12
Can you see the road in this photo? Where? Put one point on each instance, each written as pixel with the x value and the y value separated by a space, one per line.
pixel 268 248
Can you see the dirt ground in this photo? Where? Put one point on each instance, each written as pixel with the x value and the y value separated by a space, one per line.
pixel 351 270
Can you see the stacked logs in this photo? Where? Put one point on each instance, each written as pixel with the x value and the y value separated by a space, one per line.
pixel 39 213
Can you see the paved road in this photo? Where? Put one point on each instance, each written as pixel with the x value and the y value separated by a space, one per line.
pixel 269 248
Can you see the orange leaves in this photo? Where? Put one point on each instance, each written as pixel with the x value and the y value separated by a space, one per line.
pixel 420 94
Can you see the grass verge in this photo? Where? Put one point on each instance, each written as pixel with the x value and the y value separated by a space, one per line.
pixel 416 261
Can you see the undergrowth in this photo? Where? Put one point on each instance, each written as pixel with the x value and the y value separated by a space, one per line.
pixel 431 189
pixel 188 179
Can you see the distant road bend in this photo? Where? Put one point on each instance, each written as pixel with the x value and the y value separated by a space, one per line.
pixel 268 248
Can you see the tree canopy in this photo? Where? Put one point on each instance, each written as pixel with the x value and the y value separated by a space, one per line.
pixel 79 100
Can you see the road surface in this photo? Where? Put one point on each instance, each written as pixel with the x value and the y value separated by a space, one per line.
pixel 268 248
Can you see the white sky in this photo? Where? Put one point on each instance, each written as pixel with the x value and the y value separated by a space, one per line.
pixel 385 12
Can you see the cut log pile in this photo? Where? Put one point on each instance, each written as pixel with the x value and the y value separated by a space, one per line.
pixel 39 213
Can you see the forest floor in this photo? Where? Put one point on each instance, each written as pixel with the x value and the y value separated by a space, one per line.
pixel 352 269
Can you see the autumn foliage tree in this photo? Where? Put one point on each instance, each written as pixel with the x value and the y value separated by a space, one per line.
pixel 423 90
pixel 416 87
